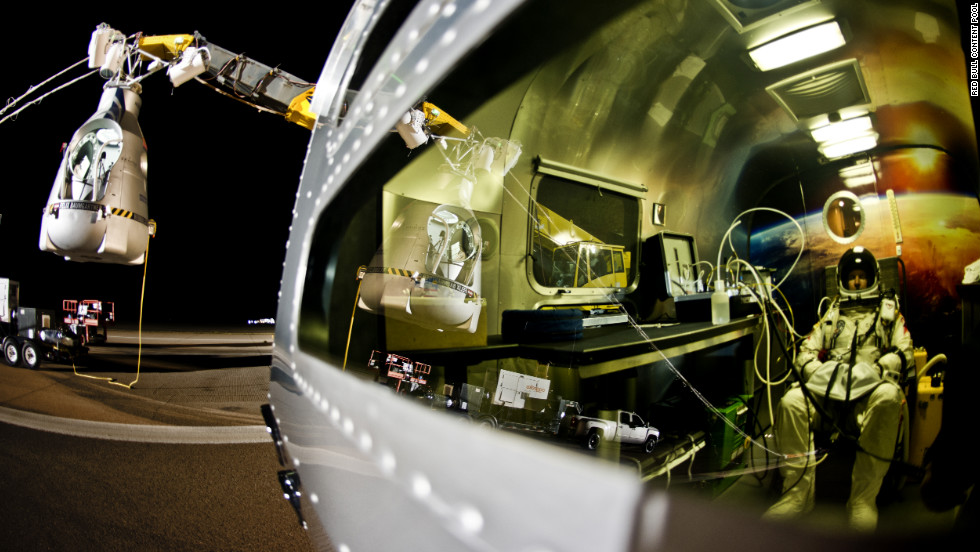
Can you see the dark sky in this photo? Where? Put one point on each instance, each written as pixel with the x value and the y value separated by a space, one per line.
pixel 222 177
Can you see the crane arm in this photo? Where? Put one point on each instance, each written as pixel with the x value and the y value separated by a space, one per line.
pixel 261 85
pixel 188 56
pixel 241 77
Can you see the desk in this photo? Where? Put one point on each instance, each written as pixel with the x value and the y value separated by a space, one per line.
pixel 612 367
pixel 613 349
pixel 603 350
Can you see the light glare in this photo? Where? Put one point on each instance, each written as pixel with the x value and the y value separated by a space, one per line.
pixel 843 130
pixel 847 147
pixel 797 46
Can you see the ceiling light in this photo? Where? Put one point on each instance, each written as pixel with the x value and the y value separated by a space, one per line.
pixel 798 45
pixel 846 147
pixel 861 174
pixel 842 130
pixel 841 138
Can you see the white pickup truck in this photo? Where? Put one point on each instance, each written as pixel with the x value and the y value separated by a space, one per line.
pixel 615 425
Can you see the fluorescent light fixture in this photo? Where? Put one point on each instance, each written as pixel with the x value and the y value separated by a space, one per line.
pixel 845 137
pixel 842 130
pixel 864 168
pixel 861 174
pixel 840 149
pixel 798 45
pixel 859 181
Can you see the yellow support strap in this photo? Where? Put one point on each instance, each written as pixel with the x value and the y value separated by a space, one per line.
pixel 435 116
pixel 299 110
pixel 166 47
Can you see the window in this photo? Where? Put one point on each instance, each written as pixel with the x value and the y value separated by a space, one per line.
pixel 90 163
pixel 584 236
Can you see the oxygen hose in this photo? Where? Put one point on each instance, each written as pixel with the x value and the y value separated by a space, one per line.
pixel 139 349
pixel 139 354
pixel 357 296
pixel 819 406
pixel 932 362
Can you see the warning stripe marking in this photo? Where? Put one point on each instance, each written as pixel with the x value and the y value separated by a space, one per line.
pixel 92 206
pixel 422 278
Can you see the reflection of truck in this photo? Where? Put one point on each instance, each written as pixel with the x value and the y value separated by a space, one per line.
pixel 396 370
pixel 513 389
pixel 591 265
pixel 524 402
pixel 27 333
pixel 615 425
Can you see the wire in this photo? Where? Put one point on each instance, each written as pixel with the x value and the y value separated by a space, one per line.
pixel 767 328
pixel 39 99
pixel 139 354
pixel 30 90
pixel 236 98
pixel 650 341
pixel 767 332
pixel 686 383
pixel 350 330
pixel 940 358
pixel 139 350
pixel 727 237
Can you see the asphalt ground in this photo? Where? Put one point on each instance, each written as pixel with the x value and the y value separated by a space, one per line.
pixel 205 386
pixel 190 377
pixel 178 460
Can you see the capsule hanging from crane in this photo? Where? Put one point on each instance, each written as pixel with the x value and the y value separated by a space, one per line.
pixel 97 209
pixel 427 272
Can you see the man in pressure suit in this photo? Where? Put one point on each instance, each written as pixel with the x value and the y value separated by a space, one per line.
pixel 851 366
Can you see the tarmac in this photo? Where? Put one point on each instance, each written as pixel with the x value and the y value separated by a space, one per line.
pixel 213 377
pixel 205 386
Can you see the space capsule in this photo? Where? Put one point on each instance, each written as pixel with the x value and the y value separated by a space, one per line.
pixel 427 272
pixel 97 209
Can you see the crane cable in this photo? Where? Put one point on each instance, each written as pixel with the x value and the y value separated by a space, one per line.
pixel 139 340
pixel 357 296
pixel 30 90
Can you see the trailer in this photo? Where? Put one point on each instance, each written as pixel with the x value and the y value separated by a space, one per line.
pixel 28 334
pixel 524 402
pixel 518 402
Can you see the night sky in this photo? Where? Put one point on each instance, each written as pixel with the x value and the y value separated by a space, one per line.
pixel 222 177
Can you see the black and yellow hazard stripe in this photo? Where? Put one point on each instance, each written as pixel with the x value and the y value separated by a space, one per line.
pixel 391 271
pixel 116 211
pixel 76 205
pixel 421 278
pixel 121 212
pixel 585 307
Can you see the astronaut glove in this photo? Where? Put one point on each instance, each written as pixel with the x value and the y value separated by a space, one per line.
pixel 889 309
pixel 891 367
pixel 809 368
pixel 890 362
pixel 893 377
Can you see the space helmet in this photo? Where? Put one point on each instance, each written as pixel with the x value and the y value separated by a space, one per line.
pixel 859 267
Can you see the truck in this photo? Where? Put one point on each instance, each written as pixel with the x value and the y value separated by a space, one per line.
pixel 518 402
pixel 619 426
pixel 395 370
pixel 28 334
pixel 525 403
pixel 89 318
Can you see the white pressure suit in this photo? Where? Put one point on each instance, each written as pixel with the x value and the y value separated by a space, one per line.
pixel 849 363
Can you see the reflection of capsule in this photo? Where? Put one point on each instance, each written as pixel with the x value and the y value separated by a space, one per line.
pixel 427 272
pixel 97 208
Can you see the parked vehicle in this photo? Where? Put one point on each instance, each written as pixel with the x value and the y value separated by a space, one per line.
pixel 89 318
pixel 615 426
pixel 395 370
pixel 29 334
